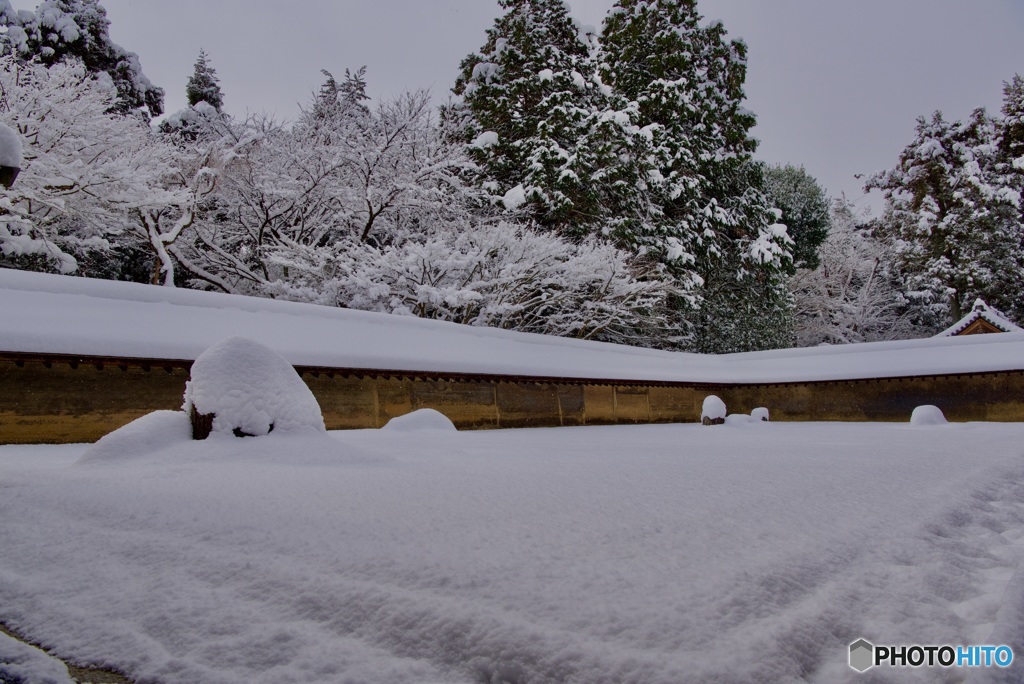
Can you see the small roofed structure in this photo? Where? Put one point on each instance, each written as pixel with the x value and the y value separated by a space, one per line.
pixel 981 320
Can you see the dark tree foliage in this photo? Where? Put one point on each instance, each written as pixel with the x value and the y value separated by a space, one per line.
pixel 529 109
pixel 805 210
pixel 79 29
pixel 203 85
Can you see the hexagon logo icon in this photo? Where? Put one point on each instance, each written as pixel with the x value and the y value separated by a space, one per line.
pixel 862 655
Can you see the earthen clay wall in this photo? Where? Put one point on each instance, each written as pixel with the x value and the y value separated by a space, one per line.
pixel 62 399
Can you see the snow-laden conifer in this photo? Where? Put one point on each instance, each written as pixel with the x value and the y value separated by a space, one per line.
pixel 203 85
pixel 61 30
pixel 711 221
pixel 532 95
pixel 954 217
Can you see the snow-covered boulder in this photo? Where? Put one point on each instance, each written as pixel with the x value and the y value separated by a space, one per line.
pixel 152 432
pixel 760 413
pixel 248 390
pixel 10 155
pixel 10 147
pixel 927 415
pixel 713 411
pixel 419 421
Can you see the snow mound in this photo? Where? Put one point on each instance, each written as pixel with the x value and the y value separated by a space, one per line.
pixel 713 408
pixel 250 389
pixel 927 415
pixel 485 140
pixel 760 413
pixel 152 432
pixel 23 663
pixel 418 421
pixel 514 198
pixel 740 419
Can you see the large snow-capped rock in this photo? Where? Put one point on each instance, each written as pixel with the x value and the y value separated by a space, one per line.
pixel 712 410
pixel 10 147
pixel 251 390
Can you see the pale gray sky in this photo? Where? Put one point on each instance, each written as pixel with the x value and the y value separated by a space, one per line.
pixel 836 85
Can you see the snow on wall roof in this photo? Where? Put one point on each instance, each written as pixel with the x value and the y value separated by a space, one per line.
pixel 45 313
pixel 983 311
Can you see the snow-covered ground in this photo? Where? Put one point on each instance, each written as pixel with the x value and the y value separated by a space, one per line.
pixel 750 552
pixel 63 314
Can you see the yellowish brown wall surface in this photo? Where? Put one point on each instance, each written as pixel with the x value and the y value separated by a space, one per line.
pixel 61 399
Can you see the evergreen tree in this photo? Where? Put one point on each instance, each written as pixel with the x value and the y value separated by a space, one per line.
pixel 530 111
pixel 203 85
pixel 954 216
pixel 61 30
pixel 1011 135
pixel 1010 159
pixel 805 210
pixel 709 216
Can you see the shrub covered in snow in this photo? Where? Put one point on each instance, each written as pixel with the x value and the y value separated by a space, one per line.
pixel 250 390
pixel 927 415
pixel 713 411
pixel 760 413
pixel 420 420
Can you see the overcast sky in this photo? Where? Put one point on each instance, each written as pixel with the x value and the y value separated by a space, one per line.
pixel 836 85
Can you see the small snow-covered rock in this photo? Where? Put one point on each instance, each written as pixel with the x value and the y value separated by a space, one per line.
pixel 740 419
pixel 927 415
pixel 152 432
pixel 420 420
pixel 250 390
pixel 713 410
pixel 760 413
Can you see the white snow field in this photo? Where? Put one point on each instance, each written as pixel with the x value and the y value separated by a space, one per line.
pixel 749 552
pixel 64 314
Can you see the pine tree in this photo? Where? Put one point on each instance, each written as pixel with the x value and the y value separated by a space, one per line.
pixel 203 85
pixel 529 102
pixel 710 220
pixel 1011 136
pixel 954 215
pixel 805 210
pixel 60 30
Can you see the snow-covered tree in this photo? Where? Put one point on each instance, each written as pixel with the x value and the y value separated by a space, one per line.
pixel 530 109
pixel 491 274
pixel 203 85
pixel 954 216
pixel 343 174
pixel 98 194
pixel 1011 126
pixel 61 30
pixel 853 294
pixel 682 81
pixel 805 210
